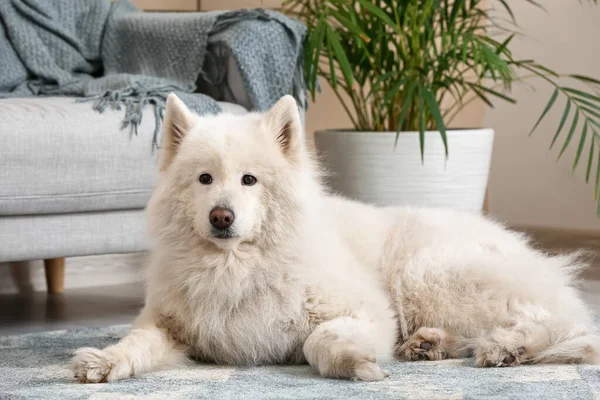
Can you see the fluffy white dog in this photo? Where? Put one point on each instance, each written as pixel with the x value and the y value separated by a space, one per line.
pixel 254 263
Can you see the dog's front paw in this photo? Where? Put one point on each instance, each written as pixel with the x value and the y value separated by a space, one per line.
pixel 91 365
pixel 424 344
pixel 356 365
pixel 369 371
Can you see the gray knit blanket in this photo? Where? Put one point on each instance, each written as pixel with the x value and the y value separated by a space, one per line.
pixel 118 56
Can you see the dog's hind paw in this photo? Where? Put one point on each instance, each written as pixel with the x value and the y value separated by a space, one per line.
pixel 90 365
pixel 494 355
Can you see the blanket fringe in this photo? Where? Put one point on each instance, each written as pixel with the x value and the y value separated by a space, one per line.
pixel 134 101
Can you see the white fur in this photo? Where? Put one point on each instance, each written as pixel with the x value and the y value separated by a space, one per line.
pixel 309 277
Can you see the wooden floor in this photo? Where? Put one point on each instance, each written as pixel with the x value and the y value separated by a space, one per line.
pixel 76 308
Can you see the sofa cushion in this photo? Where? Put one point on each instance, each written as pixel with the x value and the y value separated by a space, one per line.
pixel 60 156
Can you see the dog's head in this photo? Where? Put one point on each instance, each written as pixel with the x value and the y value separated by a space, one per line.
pixel 228 177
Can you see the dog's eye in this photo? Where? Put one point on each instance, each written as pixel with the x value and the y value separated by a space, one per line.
pixel 248 180
pixel 205 179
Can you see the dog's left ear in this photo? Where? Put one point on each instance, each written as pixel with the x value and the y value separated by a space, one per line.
pixel 283 122
pixel 177 122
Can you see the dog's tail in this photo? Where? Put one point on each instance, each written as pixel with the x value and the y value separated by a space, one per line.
pixel 572 342
pixel 579 345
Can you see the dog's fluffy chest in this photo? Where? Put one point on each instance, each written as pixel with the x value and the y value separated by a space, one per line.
pixel 258 319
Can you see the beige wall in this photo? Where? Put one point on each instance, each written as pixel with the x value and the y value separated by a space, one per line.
pixel 527 186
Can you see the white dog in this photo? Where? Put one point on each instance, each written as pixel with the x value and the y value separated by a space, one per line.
pixel 254 263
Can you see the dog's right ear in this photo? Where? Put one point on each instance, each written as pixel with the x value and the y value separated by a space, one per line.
pixel 282 121
pixel 177 122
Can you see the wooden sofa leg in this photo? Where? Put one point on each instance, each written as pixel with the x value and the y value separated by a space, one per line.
pixel 55 274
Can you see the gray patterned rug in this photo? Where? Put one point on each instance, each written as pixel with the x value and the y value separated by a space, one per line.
pixel 34 366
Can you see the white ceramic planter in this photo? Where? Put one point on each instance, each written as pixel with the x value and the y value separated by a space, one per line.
pixel 365 166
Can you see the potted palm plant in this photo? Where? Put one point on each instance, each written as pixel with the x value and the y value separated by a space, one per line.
pixel 403 69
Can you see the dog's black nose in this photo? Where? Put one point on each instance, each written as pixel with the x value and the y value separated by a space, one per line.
pixel 221 218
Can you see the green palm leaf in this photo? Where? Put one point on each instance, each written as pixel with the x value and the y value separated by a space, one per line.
pixel 570 134
pixel 563 120
pixel 580 147
pixel 590 161
pixel 546 109
pixel 437 116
